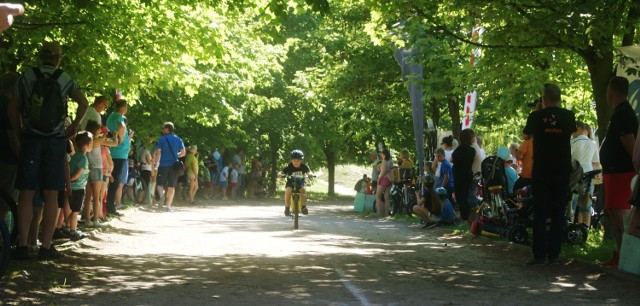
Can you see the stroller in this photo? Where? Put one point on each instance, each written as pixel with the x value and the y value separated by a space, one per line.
pixel 499 214
pixel 575 233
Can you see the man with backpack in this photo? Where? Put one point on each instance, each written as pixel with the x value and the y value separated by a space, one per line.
pixel 39 112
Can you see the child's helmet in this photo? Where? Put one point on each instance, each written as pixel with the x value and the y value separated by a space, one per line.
pixel 441 192
pixel 503 152
pixel 427 180
pixel 296 154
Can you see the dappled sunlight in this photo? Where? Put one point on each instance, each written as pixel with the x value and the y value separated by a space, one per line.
pixel 213 255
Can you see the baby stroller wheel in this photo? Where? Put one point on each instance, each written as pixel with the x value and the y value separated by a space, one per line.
pixel 518 234
pixel 476 227
pixel 575 234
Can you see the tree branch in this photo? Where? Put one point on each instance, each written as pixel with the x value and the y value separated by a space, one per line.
pixel 632 20
pixel 31 26
pixel 445 31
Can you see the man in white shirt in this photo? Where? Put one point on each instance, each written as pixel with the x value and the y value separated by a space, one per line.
pixel 93 113
pixel 585 151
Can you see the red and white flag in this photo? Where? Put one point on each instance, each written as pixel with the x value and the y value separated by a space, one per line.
pixel 469 108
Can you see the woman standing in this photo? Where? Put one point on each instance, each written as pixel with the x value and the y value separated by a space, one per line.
pixel 145 165
pixel 191 164
pixel 463 158
pixel 384 184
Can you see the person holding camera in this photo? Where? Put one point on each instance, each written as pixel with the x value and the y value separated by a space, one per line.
pixel 169 148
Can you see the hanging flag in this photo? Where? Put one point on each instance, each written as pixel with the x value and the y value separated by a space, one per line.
pixel 469 108
pixel 470 99
pixel 413 75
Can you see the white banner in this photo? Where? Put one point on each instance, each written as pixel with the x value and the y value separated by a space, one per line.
pixel 469 108
pixel 631 71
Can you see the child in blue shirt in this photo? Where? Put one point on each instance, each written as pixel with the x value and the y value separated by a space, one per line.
pixel 79 172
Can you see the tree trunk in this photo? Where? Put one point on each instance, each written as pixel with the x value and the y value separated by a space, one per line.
pixel 600 70
pixel 331 169
pixel 454 113
pixel 273 155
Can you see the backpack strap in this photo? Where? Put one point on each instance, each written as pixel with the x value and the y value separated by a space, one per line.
pixel 38 73
pixel 56 74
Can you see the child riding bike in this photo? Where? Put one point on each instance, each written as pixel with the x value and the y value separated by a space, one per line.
pixel 295 169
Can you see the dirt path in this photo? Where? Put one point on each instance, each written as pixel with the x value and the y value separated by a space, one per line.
pixel 231 253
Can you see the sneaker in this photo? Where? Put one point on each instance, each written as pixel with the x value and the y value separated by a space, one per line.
pixel 77 235
pixel 88 223
pixel 115 214
pixel 168 209
pixel 613 262
pixel 304 210
pixel 48 254
pixel 20 253
pixel 287 212
pixel 535 262
pixel 59 233
pixel 97 224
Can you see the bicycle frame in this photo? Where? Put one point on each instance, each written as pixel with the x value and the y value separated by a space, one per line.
pixel 296 199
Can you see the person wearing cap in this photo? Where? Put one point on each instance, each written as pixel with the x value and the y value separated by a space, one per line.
pixel 42 155
pixel 192 167
pixel 551 128
pixel 169 148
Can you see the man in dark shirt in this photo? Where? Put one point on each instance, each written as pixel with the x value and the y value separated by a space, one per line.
pixel 551 129
pixel 8 142
pixel 615 157
pixel 463 187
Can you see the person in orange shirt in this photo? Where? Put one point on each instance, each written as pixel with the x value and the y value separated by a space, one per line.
pixel 524 154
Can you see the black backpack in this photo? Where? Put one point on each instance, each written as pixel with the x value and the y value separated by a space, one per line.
pixel 47 108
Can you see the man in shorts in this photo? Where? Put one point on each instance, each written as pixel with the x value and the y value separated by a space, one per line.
pixel 42 155
pixel 168 149
pixel 615 156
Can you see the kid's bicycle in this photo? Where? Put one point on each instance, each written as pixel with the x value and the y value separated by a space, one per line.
pixel 296 197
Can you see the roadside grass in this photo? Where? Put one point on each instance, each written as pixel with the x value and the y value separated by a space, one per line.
pixel 596 249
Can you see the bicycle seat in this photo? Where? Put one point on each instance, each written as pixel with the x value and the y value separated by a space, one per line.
pixel 591 174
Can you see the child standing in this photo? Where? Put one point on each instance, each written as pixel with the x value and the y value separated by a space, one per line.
pixel 79 170
pixel 233 180
pixel 224 177
pixel 206 179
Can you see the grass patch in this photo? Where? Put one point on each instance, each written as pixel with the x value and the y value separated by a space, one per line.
pixel 596 249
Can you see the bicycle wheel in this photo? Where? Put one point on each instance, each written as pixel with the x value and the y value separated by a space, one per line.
pixel 139 190
pixel 296 210
pixel 5 247
pixel 11 219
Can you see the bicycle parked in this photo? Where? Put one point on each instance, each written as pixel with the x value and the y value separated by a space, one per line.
pixel 135 182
